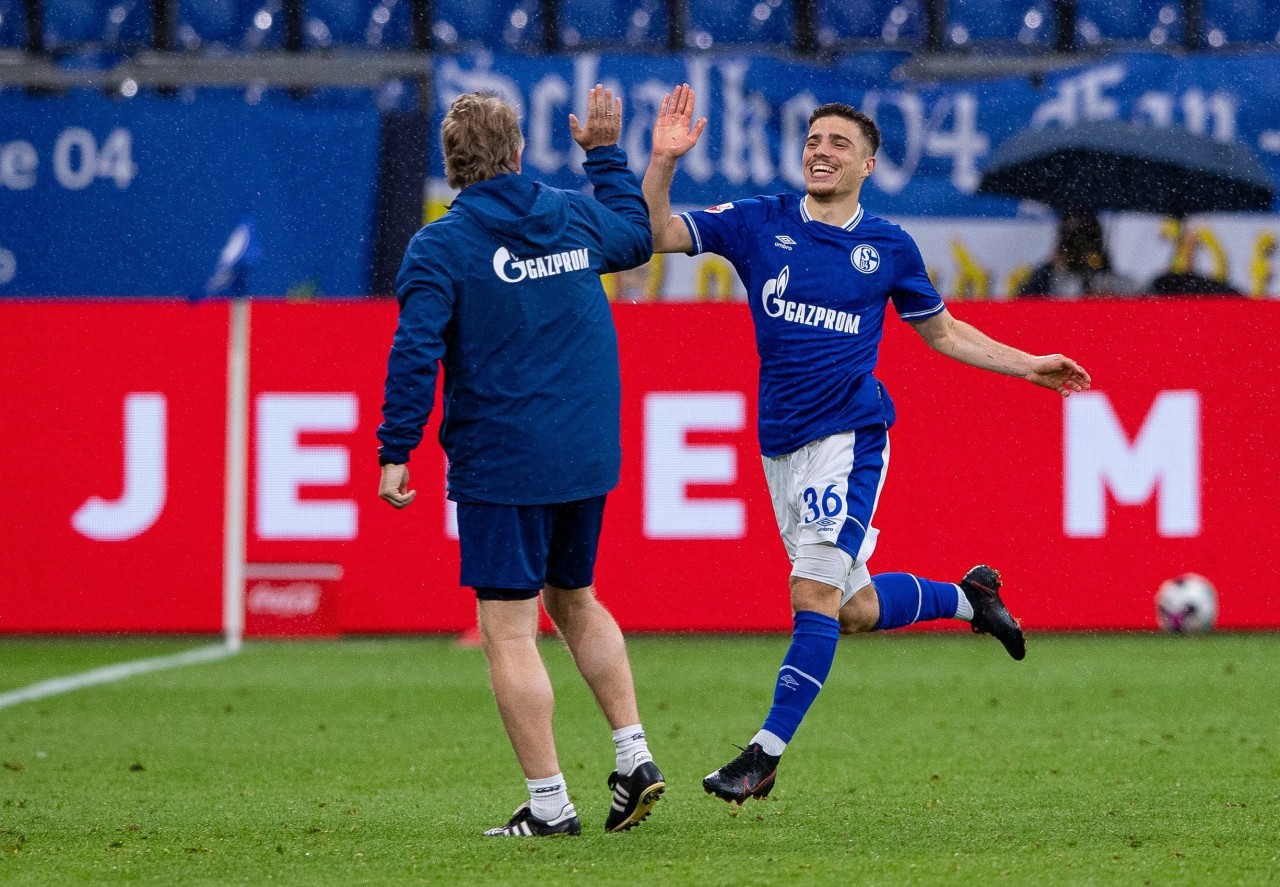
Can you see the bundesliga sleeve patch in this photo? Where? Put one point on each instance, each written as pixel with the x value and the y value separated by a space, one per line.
pixel 719 209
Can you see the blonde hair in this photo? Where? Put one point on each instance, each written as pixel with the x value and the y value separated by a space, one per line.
pixel 481 136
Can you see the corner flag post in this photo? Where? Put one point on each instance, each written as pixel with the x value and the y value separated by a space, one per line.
pixel 237 455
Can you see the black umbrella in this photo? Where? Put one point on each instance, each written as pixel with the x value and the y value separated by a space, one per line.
pixel 1110 164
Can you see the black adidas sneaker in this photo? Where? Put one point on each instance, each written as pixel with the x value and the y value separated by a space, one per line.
pixel 524 824
pixel 634 796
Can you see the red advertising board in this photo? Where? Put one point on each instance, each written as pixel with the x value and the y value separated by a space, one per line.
pixel 114 451
pixel 79 552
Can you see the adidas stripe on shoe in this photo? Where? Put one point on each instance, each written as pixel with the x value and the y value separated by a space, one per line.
pixel 634 796
pixel 523 824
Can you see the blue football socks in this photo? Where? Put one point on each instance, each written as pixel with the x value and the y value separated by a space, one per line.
pixel 906 599
pixel 804 669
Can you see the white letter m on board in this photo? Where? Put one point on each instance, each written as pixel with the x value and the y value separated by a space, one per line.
pixel 1163 460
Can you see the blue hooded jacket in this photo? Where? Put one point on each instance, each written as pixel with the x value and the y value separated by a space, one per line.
pixel 504 291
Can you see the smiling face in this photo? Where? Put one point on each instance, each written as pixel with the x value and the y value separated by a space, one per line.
pixel 837 160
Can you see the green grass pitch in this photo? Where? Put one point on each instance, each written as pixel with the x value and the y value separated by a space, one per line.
pixel 928 760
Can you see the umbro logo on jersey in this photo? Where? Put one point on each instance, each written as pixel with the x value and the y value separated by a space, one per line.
pixel 865 258
pixel 783 241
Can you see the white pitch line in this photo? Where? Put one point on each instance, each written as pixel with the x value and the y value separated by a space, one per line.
pixel 110 673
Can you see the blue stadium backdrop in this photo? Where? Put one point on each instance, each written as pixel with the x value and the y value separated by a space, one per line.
pixel 141 196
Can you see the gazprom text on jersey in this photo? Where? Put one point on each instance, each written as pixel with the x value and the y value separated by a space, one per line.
pixel 514 270
pixel 813 315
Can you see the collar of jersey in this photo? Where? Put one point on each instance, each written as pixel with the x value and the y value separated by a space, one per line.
pixel 848 226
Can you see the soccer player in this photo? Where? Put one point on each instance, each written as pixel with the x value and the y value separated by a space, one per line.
pixel 820 272
pixel 505 292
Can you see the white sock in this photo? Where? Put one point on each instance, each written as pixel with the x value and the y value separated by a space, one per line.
pixel 771 744
pixel 549 798
pixel 964 609
pixel 632 748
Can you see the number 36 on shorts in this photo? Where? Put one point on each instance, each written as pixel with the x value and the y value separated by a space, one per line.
pixel 817 506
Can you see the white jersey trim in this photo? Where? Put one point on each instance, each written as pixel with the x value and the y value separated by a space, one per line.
pixel 912 315
pixel 848 226
pixel 693 231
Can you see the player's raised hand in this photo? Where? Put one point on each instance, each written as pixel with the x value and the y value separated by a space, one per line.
pixel 604 120
pixel 1060 373
pixel 674 132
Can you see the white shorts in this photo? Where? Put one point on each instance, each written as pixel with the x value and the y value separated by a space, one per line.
pixel 827 492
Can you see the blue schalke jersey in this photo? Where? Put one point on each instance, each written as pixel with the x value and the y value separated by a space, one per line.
pixel 817 294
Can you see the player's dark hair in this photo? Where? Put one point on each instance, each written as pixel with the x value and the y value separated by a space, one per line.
pixel 870 131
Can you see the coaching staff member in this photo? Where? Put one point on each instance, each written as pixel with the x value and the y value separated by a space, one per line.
pixel 504 292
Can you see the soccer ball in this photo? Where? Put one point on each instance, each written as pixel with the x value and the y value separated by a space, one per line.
pixel 1186 604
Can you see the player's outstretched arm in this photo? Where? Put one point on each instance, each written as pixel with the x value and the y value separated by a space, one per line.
pixel 967 344
pixel 623 230
pixel 674 133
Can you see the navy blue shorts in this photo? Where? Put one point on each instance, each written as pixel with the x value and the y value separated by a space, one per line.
pixel 521 548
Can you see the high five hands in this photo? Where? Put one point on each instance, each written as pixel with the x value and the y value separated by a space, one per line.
pixel 604 120
pixel 674 132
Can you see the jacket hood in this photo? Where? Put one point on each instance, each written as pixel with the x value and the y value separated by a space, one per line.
pixel 519 212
